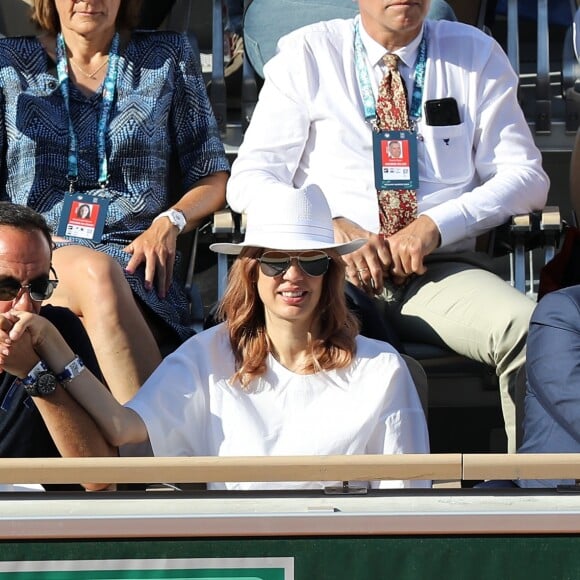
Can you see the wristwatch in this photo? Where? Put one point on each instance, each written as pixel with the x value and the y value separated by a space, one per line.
pixel 40 381
pixel 175 216
pixel 73 369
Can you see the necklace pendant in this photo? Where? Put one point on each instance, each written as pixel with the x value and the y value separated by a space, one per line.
pixel 93 74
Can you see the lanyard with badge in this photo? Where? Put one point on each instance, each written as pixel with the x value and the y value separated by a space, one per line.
pixel 390 172
pixel 83 214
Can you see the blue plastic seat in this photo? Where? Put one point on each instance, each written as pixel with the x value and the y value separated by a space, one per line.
pixel 263 28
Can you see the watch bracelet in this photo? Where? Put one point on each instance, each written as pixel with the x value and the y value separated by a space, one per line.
pixel 71 370
pixel 36 377
pixel 30 383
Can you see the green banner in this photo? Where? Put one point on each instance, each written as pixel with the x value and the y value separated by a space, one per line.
pixel 522 557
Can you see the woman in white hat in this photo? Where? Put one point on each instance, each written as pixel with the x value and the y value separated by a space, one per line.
pixel 286 373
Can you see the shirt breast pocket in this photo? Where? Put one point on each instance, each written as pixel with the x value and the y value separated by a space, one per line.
pixel 447 152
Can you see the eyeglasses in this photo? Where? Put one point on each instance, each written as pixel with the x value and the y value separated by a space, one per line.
pixel 39 289
pixel 312 263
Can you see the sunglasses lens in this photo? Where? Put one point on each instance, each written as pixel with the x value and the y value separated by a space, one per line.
pixel 274 263
pixel 312 263
pixel 9 290
pixel 41 289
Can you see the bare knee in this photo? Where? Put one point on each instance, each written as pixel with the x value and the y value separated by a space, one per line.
pixel 89 278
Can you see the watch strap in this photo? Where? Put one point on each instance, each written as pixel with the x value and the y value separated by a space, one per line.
pixel 175 216
pixel 73 369
pixel 39 368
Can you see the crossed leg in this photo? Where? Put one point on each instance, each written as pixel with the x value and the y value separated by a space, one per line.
pixel 474 313
pixel 93 286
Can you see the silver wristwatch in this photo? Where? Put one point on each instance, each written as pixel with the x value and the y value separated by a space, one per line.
pixel 175 216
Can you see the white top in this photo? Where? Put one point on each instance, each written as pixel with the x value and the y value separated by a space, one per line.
pixel 309 127
pixel 191 409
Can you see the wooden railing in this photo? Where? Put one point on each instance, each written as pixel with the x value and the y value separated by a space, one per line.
pixel 454 466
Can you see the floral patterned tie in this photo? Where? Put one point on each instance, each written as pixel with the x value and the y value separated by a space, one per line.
pixel 397 208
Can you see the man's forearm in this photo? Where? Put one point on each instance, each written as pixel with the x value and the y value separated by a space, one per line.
pixel 73 431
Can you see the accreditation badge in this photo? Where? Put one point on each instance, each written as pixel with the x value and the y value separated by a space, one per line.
pixel 395 160
pixel 83 215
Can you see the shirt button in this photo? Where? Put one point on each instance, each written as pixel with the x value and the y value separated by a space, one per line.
pixel 52 85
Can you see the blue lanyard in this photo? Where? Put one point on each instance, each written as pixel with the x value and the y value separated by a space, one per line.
pixel 108 95
pixel 364 82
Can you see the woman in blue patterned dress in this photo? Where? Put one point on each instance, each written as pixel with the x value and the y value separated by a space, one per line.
pixel 95 112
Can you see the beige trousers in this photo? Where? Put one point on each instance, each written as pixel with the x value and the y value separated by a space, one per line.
pixel 474 313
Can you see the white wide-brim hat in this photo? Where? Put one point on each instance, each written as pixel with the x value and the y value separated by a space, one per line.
pixel 293 219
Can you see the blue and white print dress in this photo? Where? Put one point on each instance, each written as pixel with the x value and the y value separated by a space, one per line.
pixel 161 139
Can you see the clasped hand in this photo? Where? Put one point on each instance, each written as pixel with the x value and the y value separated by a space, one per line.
pixel 21 334
pixel 26 337
pixel 394 258
pixel 156 248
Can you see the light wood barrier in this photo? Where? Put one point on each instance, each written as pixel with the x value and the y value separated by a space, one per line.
pixel 207 469
pixel 437 467
pixel 524 466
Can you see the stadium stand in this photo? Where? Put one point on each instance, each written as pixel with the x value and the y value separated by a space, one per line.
pixel 542 51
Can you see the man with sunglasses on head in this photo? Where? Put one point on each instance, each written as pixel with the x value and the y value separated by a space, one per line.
pixel 30 423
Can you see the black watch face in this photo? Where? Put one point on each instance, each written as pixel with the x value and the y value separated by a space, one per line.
pixel 46 384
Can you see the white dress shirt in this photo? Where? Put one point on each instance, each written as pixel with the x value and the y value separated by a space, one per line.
pixel 309 128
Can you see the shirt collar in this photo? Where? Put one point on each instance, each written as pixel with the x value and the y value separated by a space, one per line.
pixel 375 51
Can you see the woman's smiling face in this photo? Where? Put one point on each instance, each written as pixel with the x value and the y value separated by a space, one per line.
pixel 291 296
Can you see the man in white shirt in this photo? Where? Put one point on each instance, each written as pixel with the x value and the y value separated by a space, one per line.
pixel 312 126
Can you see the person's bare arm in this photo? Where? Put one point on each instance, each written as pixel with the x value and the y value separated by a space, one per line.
pixel 118 424
pixel 72 429
pixel 156 246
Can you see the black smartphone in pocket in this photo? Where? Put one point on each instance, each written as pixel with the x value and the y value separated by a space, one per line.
pixel 442 112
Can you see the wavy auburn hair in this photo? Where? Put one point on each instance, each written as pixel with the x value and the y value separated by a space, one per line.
pixel 243 311
pixel 45 16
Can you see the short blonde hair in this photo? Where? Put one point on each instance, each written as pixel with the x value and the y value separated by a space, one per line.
pixel 45 16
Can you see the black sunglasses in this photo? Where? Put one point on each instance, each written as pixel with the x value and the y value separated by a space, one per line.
pixel 312 263
pixel 39 289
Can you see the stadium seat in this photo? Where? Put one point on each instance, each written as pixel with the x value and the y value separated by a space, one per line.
pixel 261 31
pixel 202 21
pixel 470 12
pixel 420 379
pixel 15 18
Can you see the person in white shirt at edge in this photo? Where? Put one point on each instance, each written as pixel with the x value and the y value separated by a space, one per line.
pixel 309 127
pixel 285 374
